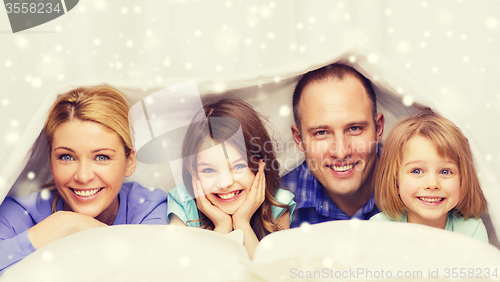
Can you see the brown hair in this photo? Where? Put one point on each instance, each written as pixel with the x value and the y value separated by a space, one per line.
pixel 102 105
pixel 450 143
pixel 335 72
pixel 223 119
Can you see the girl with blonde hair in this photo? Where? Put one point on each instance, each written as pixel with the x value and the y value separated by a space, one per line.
pixel 427 175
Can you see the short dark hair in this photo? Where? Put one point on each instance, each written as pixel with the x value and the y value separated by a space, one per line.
pixel 334 71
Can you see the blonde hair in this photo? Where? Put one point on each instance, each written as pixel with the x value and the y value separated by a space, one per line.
pixel 102 105
pixel 450 143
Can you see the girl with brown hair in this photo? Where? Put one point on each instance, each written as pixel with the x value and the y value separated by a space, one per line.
pixel 231 175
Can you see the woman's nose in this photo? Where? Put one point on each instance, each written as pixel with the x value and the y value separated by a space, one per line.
pixel 84 172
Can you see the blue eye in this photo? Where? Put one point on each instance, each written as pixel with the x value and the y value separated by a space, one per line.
pixel 239 166
pixel 446 172
pixel 208 170
pixel 416 171
pixel 101 158
pixel 320 133
pixel 66 158
pixel 355 128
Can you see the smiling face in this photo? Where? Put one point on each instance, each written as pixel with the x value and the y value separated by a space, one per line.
pixel 88 163
pixel 429 185
pixel 225 181
pixel 338 136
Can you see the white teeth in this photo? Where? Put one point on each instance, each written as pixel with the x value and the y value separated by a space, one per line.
pixel 86 193
pixel 228 195
pixel 342 168
pixel 430 200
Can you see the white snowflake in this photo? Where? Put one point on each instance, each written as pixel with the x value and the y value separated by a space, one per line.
pixel 407 100
pixel 491 23
pixel 403 47
pixel 47 256
pixel 305 227
pixel 184 261
pixel 328 262
pixel 36 82
pixel 100 5
pixel 372 58
pixel 284 111
pixel 30 175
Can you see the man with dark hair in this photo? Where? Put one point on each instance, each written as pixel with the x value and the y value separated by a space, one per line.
pixel 338 129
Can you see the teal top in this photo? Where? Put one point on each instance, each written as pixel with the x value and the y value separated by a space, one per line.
pixel 472 227
pixel 182 205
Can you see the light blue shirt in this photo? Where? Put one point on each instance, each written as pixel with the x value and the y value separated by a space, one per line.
pixel 472 227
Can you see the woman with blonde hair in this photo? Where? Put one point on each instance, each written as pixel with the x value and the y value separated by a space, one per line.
pixel 91 152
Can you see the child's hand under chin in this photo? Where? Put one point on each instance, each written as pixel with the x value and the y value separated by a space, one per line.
pixel 222 221
pixel 253 201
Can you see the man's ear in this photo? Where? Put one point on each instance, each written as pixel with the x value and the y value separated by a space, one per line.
pixel 379 126
pixel 131 164
pixel 297 138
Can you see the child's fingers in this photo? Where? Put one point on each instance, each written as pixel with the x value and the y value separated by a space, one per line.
pixel 256 180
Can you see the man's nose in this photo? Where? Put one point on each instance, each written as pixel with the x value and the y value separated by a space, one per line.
pixel 340 148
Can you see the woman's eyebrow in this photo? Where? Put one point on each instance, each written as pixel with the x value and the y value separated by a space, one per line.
pixel 64 148
pixel 103 149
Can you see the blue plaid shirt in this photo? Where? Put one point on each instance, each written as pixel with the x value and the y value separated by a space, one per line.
pixel 314 205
